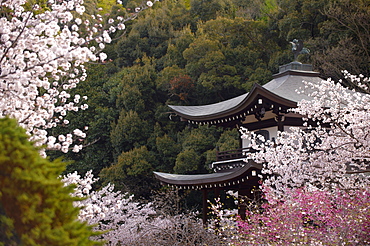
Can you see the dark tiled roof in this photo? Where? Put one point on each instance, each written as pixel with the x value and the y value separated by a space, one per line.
pixel 284 86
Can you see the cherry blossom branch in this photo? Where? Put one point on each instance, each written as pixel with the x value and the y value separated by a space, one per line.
pixel 42 57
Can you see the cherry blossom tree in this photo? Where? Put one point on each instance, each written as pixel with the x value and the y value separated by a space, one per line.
pixel 331 153
pixel 124 221
pixel 42 57
pixel 114 212
pixel 316 178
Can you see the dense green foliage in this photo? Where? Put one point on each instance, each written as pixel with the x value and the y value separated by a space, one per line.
pixel 186 52
pixel 35 207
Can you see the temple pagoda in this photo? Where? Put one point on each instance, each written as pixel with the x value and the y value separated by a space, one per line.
pixel 264 110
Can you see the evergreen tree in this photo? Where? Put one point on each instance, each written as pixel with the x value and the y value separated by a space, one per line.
pixel 36 207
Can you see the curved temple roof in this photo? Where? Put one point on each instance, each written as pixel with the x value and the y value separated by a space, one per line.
pixel 210 109
pixel 282 89
pixel 207 179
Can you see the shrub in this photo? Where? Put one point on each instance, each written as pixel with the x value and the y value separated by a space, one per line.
pixel 36 207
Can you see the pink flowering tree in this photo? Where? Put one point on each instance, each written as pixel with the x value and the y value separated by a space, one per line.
pixel 42 57
pixel 311 218
pixel 307 217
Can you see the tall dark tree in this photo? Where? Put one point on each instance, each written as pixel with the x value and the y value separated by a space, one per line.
pixel 344 43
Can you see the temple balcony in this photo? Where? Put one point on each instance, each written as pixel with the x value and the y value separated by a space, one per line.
pixel 230 159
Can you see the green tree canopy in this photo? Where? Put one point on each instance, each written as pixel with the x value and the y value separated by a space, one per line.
pixel 190 52
pixel 130 131
pixel 132 172
pixel 187 162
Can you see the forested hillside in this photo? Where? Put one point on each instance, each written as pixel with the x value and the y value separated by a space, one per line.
pixel 191 52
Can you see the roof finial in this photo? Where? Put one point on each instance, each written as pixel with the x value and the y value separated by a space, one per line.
pixel 297 48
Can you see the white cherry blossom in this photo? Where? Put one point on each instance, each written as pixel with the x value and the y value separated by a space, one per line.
pixel 113 213
pixel 333 154
pixel 42 60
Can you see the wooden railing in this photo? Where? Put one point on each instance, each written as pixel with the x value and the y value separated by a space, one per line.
pixel 231 154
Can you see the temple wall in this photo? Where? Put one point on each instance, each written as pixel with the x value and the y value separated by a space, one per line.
pixel 272 134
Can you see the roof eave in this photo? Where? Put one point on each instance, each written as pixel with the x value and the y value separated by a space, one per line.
pixel 221 179
pixel 257 90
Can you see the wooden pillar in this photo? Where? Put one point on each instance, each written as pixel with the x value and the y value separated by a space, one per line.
pixel 242 194
pixel 280 122
pixel 205 206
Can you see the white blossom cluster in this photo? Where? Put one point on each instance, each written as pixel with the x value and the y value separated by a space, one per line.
pixel 114 213
pixel 225 218
pixel 360 81
pixel 41 62
pixel 334 154
pixel 126 222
